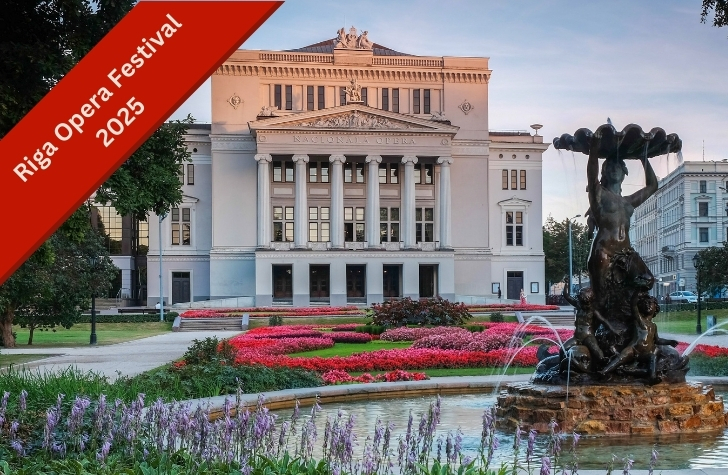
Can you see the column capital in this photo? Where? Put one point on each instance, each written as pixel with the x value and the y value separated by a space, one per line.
pixel 374 158
pixel 409 158
pixel 443 160
pixel 337 158
pixel 263 157
pixel 297 158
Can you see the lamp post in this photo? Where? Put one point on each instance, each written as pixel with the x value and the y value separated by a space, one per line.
pixel 571 260
pixel 161 287
pixel 92 341
pixel 696 264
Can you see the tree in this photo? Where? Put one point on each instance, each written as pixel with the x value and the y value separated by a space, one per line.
pixel 720 9
pixel 80 267
pixel 40 41
pixel 556 249
pixel 712 269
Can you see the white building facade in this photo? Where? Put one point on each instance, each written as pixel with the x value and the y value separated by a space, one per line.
pixel 688 213
pixel 349 173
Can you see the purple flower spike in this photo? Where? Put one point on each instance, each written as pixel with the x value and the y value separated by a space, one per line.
pixel 545 466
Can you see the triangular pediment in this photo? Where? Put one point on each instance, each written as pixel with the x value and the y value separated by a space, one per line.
pixel 352 117
pixel 514 201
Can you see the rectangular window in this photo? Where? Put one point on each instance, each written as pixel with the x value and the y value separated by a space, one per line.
pixel 312 172
pixel 382 173
pixel 325 232
pixel 309 98
pixel 514 233
pixel 181 174
pixel 289 171
pixel 348 214
pixel 289 98
pixel 277 171
pixel 514 179
pixel 364 96
pixel 415 101
pixel 418 173
pixel 359 214
pixel 395 100
pixel 505 179
pixel 348 172
pixel 110 223
pixel 354 224
pixel 313 232
pixel 429 174
pixel 313 213
pixel 424 224
pixel 359 172
pixel 385 99
pixel 324 172
pixel 703 234
pixel 190 174
pixel 523 179
pixel 181 227
pixel 393 173
pixel 289 231
pixel 277 97
pixel 321 97
pixel 703 209
pixel 426 101
pixel 703 186
pixel 342 96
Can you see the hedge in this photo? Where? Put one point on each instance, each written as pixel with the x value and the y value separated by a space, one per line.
pixel 128 318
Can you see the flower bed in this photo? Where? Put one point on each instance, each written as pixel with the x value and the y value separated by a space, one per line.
pixel 350 337
pixel 336 376
pixel 412 334
pixel 486 341
pixel 264 312
pixel 511 307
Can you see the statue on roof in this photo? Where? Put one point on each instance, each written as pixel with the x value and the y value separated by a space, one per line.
pixel 352 40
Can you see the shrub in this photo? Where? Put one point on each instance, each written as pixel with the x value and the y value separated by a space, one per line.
pixel 275 321
pixel 128 318
pixel 702 365
pixel 371 329
pixel 497 317
pixel 209 350
pixel 437 311
pixel 412 334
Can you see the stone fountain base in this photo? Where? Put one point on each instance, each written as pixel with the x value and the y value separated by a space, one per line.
pixel 613 409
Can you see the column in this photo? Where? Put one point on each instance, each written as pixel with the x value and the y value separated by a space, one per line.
pixel 372 217
pixel 408 202
pixel 264 219
pixel 445 207
pixel 337 201
pixel 300 217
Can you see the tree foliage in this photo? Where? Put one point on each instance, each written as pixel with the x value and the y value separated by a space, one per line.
pixel 40 41
pixel 712 269
pixel 556 249
pixel 720 10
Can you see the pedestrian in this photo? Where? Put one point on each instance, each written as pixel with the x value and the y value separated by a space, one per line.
pixel 499 293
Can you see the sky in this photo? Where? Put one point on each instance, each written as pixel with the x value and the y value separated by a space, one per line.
pixel 563 64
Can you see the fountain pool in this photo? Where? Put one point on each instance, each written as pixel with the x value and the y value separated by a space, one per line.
pixel 465 411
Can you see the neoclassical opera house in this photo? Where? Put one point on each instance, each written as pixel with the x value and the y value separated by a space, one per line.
pixel 349 173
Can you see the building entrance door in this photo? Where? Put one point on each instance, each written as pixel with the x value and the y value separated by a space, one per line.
pixel 282 282
pixel 356 276
pixel 514 285
pixel 180 287
pixel 428 281
pixel 319 283
pixel 391 282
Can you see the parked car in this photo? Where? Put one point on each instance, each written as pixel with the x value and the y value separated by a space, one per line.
pixel 683 296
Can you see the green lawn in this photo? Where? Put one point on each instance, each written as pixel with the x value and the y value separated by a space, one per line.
pixel 685 321
pixel 78 335
pixel 7 360
pixel 346 349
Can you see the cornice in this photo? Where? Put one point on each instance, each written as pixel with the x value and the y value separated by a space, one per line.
pixel 352 254
pixel 233 142
pixel 316 70
pixel 168 258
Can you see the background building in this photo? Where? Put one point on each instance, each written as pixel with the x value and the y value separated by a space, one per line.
pixel 347 172
pixel 689 212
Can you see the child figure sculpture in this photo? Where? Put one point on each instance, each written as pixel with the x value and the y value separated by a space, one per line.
pixel 585 324
pixel 645 344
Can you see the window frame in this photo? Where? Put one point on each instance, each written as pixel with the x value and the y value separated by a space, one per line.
pixel 514 179
pixel 355 224
pixel 703 186
pixel 322 221
pixel 364 96
pixel 387 224
pixel 278 96
pixel 707 235
pixel 423 225
pixel 285 221
pixel 514 228
pixel 321 97
pixel 385 99
pixel 395 100
pixel 180 219
pixel 310 99
pixel 522 180
pixel 703 209
pixel 190 173
pixel 504 179
pixel 342 96
pixel 426 101
pixel 416 101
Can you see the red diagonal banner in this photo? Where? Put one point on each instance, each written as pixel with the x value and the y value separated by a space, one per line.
pixel 107 106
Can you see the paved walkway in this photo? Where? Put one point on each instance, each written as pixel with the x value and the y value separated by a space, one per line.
pixel 127 359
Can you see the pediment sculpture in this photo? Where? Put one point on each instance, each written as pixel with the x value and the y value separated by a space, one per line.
pixel 353 91
pixel 354 120
pixel 351 40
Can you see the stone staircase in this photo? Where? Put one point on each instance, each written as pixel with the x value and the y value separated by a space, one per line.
pixel 561 319
pixel 211 324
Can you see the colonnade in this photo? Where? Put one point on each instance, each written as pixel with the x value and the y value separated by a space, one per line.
pixel 408 201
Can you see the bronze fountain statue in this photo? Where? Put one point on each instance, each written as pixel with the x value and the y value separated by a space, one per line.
pixel 616 375
pixel 615 339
